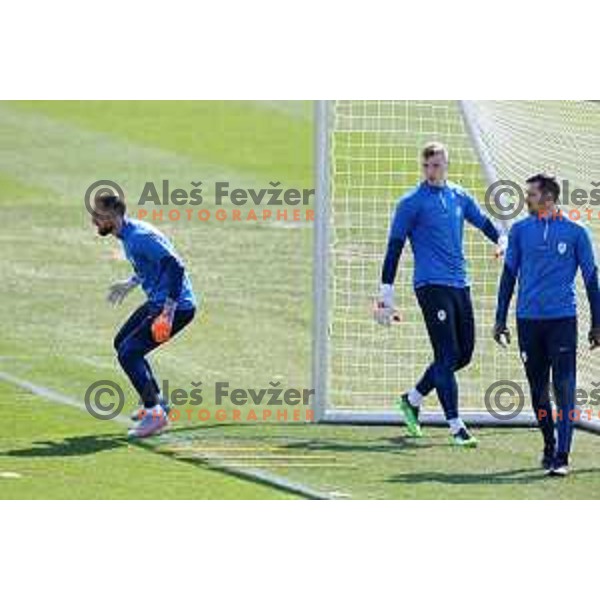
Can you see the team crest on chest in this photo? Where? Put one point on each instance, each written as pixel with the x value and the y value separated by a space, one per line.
pixel 562 247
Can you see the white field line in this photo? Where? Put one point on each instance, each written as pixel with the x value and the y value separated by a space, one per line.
pixel 216 461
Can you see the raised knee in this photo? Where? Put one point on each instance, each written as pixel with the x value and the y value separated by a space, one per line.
pixel 463 361
pixel 122 355
pixel 446 365
pixel 125 352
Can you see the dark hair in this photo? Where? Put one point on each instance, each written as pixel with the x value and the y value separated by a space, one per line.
pixel 110 203
pixel 547 184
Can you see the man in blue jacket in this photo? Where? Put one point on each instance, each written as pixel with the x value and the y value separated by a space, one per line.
pixel 543 255
pixel 170 304
pixel 432 217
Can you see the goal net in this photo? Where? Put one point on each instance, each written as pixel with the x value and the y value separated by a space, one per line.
pixel 367 156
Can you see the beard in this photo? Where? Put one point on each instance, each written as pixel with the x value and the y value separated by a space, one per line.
pixel 104 231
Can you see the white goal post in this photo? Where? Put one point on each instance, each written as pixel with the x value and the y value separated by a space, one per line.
pixel 366 157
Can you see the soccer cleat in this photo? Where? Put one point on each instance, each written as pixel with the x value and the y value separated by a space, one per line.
pixel 560 468
pixel 464 439
pixel 140 411
pixel 152 423
pixel 411 416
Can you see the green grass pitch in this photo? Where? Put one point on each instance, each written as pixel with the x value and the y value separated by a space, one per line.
pixel 256 326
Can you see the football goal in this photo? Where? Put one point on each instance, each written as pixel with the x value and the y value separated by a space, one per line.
pixel 367 156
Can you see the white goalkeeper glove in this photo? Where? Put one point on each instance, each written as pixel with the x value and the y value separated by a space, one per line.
pixel 118 291
pixel 384 312
pixel 501 246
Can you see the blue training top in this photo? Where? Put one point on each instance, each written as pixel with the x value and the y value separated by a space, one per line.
pixel 543 255
pixel 432 217
pixel 157 266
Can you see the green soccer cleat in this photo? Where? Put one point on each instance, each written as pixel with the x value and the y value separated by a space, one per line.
pixel 411 416
pixel 463 439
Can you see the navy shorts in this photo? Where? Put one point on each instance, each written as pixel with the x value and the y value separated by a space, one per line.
pixel 448 315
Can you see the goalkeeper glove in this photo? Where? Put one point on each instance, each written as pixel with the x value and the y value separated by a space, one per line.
pixel 384 312
pixel 501 334
pixel 118 291
pixel 594 337
pixel 163 324
pixel 501 246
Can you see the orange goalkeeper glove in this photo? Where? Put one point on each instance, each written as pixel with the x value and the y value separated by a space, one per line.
pixel 163 324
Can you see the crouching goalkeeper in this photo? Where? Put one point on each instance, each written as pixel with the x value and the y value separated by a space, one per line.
pixel 171 304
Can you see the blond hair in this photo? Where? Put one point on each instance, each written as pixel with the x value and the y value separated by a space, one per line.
pixel 433 148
